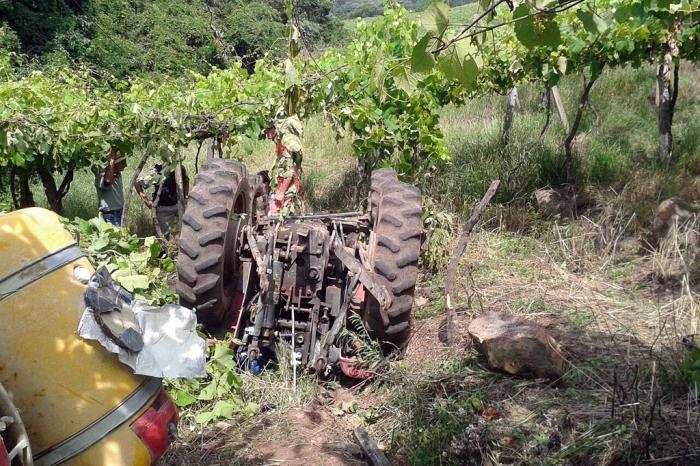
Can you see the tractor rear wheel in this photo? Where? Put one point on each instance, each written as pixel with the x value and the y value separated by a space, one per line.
pixel 219 206
pixel 395 210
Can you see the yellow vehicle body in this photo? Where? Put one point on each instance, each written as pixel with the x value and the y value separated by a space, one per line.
pixel 65 388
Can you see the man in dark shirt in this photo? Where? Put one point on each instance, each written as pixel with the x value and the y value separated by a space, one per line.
pixel 166 203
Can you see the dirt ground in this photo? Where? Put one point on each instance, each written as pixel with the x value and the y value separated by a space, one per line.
pixel 617 328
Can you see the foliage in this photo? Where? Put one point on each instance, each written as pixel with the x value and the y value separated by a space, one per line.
pixel 394 121
pixel 218 396
pixel 439 226
pixel 355 338
pixel 690 368
pixel 140 265
pixel 61 121
pixel 255 29
pixel 162 37
pixel 366 8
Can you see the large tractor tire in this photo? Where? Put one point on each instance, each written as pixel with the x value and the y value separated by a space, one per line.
pixel 219 206
pixel 395 209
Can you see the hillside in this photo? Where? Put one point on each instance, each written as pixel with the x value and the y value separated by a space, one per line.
pixel 366 8
pixel 136 37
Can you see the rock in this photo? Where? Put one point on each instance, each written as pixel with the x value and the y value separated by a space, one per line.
pixel 668 213
pixel 516 346
pixel 552 202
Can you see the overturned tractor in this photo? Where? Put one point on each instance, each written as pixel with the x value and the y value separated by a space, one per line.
pixel 298 280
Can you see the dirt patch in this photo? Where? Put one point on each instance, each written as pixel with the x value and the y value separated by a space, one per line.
pixel 425 347
pixel 300 436
pixel 317 438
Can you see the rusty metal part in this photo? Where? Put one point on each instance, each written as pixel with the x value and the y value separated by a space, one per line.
pixel 253 244
pixel 379 291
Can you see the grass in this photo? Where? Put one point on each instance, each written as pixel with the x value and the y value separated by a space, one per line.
pixel 617 158
pixel 622 400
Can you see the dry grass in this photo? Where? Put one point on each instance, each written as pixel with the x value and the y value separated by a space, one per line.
pixel 622 400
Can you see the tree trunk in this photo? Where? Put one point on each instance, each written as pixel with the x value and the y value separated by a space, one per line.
pixel 13 188
pixel 55 194
pixel 663 78
pixel 26 198
pixel 568 151
pixel 559 103
pixel 547 106
pixel 154 214
pixel 512 104
pixel 132 183
pixel 667 101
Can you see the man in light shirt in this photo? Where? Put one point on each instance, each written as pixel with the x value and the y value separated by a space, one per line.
pixel 110 190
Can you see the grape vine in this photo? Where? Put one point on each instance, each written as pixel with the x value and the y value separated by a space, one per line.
pixel 386 86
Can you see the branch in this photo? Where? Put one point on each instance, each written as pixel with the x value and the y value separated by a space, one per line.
pixel 469 26
pixel 450 279
pixel 65 184
pixel 574 128
pixel 566 5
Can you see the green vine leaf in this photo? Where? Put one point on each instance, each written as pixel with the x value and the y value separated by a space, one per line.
pixel 436 18
pixel 406 80
pixel 422 60
pixel 593 23
pixel 535 30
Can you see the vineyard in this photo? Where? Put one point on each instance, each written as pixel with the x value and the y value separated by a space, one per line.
pixel 594 102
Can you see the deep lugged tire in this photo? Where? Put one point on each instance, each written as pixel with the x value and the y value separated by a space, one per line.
pixel 208 241
pixel 395 209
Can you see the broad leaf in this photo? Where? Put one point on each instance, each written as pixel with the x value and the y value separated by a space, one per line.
pixel 133 282
pixel 291 77
pixel 436 17
pixel 458 63
pixel 450 64
pixel 422 60
pixel 593 23
pixel 207 392
pixel 204 417
pixel 405 79
pixel 182 398
pixel 224 409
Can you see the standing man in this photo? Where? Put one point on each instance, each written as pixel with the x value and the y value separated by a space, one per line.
pixel 110 191
pixel 166 203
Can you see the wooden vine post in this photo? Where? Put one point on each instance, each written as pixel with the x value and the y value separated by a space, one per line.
pixel 451 278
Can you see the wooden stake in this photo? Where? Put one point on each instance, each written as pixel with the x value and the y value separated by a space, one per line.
pixel 559 103
pixel 451 278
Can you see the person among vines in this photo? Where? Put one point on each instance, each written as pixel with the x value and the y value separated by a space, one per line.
pixel 163 198
pixel 110 190
pixel 286 173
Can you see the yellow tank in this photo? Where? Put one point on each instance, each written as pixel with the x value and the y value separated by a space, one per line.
pixel 77 401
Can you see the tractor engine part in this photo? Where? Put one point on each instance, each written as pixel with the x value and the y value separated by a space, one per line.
pixel 295 281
